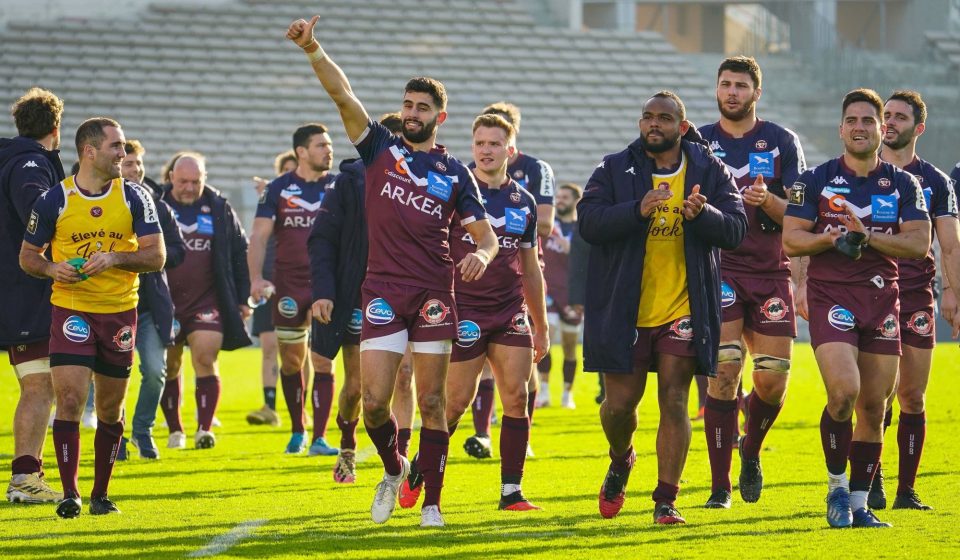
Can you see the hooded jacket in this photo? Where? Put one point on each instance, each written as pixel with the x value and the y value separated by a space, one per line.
pixel 154 289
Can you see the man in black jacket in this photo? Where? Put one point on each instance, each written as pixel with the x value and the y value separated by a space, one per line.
pixel 29 166
pixel 209 293
pixel 657 215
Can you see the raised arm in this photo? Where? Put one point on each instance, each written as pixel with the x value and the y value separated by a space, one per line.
pixel 331 77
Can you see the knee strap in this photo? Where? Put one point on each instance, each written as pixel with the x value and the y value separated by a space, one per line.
pixel 288 335
pixel 773 364
pixel 731 352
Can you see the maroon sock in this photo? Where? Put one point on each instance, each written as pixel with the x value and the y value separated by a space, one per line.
pixel 66 442
pixel 622 463
pixel 105 445
pixel 403 441
pixel 385 439
pixel 910 435
pixel 170 404
pixel 759 419
pixel 348 432
pixel 322 397
pixel 514 435
pixel 26 464
pixel 293 395
pixel 482 407
pixel 835 437
pixel 864 459
pixel 208 395
pixel 720 426
pixel 531 404
pixel 665 493
pixel 888 419
pixel 569 370
pixel 432 461
pixel 544 365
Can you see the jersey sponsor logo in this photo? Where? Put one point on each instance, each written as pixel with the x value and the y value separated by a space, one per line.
pixel 760 144
pixel 198 244
pixel 761 164
pixel 890 328
pixel 727 296
pixel 515 197
pixel 921 323
pixel 546 179
pixel 96 211
pixel 468 333
pixel 797 194
pixel 291 190
pixel 298 221
pixel 836 202
pixel 434 311
pixel 519 324
pixel 516 220
pixel 883 208
pixel 920 199
pixel 124 339
pixel 146 201
pixel 76 329
pixel 379 312
pixel 717 149
pixel 439 186
pixel 416 201
pixel 682 328
pixel 928 196
pixel 841 318
pixel 355 324
pixel 951 197
pixel 30 163
pixel 774 309
pixel 205 224
pixel 32 222
pixel 287 307
pixel 175 328
pixel 839 180
pixel 210 315
pixel 263 197
pixel 841 190
pixel 630 171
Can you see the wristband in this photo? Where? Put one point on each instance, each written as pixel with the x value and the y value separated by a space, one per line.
pixel 315 55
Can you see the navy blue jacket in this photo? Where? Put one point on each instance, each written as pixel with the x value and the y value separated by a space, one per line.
pixel 154 291
pixel 338 254
pixel 610 221
pixel 27 170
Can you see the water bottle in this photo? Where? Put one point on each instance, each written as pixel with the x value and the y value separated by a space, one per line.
pixel 267 294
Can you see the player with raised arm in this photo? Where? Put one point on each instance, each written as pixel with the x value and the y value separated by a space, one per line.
pixel 413 189
pixel 855 208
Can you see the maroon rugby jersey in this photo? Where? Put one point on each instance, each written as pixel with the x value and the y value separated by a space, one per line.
pixel 512 212
pixel 556 260
pixel 941 201
pixel 191 284
pixel 411 197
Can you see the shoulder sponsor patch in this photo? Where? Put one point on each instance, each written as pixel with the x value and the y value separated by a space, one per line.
pixel 439 186
pixel 32 222
pixel 546 179
pixel 205 224
pixel 149 208
pixel 515 220
pixel 797 194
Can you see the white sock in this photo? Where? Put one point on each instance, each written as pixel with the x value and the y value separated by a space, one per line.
pixel 835 481
pixel 507 489
pixel 858 499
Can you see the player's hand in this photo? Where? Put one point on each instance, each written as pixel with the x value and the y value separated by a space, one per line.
pixel 322 310
pixel 757 193
pixel 694 203
pixel 800 301
pixel 571 314
pixel 63 272
pixel 259 185
pixel 98 262
pixel 541 344
pixel 472 266
pixel 948 306
pixel 955 327
pixel 850 219
pixel 653 199
pixel 245 311
pixel 301 32
pixel 262 289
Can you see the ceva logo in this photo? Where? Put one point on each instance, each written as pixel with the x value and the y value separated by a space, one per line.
pixel 76 329
pixel 356 322
pixel 379 312
pixel 841 318
pixel 468 333
pixel 287 306
pixel 727 296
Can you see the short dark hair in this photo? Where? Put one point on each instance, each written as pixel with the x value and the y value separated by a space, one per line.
pixel 134 147
pixel 423 84
pixel 91 133
pixel 37 113
pixel 281 160
pixel 913 99
pixel 864 95
pixel 392 121
pixel 506 110
pixel 495 120
pixel 666 94
pixel 302 136
pixel 574 188
pixel 742 65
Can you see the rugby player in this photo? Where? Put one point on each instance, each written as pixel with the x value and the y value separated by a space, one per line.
pixel 209 293
pixel 756 291
pixel 905 116
pixel 29 166
pixel 658 214
pixel 99 242
pixel 287 210
pixel 855 208
pixel 413 189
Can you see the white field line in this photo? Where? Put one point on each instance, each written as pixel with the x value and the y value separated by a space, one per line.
pixel 226 541
pixel 365 453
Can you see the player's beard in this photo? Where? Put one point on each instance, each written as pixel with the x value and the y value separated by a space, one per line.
pixel 737 116
pixel 668 143
pixel 901 141
pixel 565 211
pixel 421 136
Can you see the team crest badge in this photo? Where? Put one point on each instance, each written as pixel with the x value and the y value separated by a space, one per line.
pixel 96 211
pixel 519 324
pixel 434 311
pixel 682 328
pixel 440 167
pixel 921 323
pixel 761 144
pixel 883 182
pixel 515 197
pixel 124 338
pixel 775 309
pixel 889 328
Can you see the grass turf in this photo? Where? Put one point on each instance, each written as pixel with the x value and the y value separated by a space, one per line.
pixel 246 499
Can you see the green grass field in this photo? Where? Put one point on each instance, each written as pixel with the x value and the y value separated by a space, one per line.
pixel 246 499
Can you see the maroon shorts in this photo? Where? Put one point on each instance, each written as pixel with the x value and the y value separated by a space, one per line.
pixel 564 312
pixel 764 304
pixel 23 353
pixel 292 301
pixel 103 342
pixel 918 327
pixel 864 316
pixel 426 315
pixel 479 327
pixel 203 320
pixel 674 338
